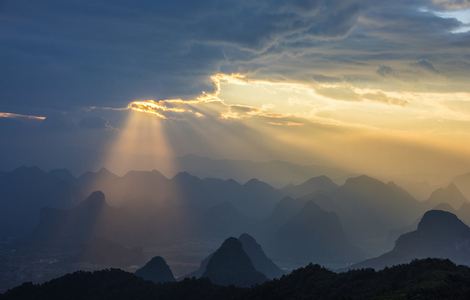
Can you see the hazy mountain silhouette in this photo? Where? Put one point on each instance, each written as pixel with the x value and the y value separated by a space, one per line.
pixel 256 255
pixel 90 180
pixel 440 234
pixel 421 279
pixel 445 207
pixel 24 191
pixel 156 270
pixel 464 213
pixel 313 235
pixel 450 195
pixel 84 232
pixel 230 265
pixel 370 209
pixel 253 198
pixel 274 172
pixel 463 184
pixel 265 199
pixel 71 226
pixel 63 174
pixel 284 210
pixel 149 202
pixel 312 185
pixel 151 189
pixel 259 259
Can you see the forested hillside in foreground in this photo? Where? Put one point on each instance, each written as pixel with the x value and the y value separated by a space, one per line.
pixel 421 279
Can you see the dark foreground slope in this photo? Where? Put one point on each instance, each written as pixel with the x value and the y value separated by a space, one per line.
pixel 439 234
pixel 421 279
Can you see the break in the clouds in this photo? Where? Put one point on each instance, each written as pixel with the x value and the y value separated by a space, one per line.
pixel 311 77
pixel 58 54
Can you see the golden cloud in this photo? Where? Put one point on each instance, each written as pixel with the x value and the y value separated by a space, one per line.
pixel 8 115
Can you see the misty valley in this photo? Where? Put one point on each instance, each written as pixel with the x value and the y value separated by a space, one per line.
pixel 186 230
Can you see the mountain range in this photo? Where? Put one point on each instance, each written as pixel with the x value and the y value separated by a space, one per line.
pixel 440 234
pixel 313 221
pixel 312 235
pixel 275 172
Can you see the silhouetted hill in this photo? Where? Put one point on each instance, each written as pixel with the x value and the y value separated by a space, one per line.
pixel 312 185
pixel 284 210
pixel 156 270
pixel 74 225
pixel 369 209
pixel 266 197
pixel 313 235
pixel 420 280
pixel 24 191
pixel 90 180
pixel 450 195
pixel 463 184
pixel 440 234
pixel 256 255
pixel 230 265
pixel 150 202
pixel 259 259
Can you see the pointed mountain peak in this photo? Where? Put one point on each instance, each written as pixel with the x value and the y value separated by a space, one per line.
pixel 96 199
pixel 312 208
pixel 258 257
pixel 230 243
pixel 62 174
pixel 320 181
pixel 185 176
pixel 254 182
pixel 156 270
pixel 154 174
pixel 105 172
pixel 441 221
pixel 231 265
pixel 245 237
pixel 257 186
pixel 311 186
pixel 450 195
pixel 451 189
pixel 362 180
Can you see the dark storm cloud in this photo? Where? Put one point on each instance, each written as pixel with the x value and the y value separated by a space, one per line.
pixel 63 54
pixel 78 53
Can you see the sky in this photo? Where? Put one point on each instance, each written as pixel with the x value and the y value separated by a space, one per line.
pixel 378 87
